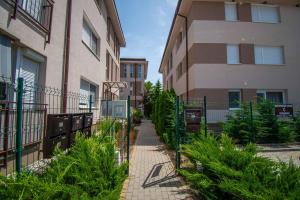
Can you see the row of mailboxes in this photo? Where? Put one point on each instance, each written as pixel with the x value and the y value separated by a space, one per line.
pixel 62 128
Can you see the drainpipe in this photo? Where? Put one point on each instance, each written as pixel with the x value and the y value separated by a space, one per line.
pixel 187 55
pixel 135 75
pixel 67 56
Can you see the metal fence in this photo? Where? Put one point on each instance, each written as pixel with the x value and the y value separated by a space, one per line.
pixel 30 114
pixel 201 114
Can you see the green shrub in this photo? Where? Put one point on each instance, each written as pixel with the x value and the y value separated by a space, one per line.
pixel 297 126
pixel 137 116
pixel 88 171
pixel 228 172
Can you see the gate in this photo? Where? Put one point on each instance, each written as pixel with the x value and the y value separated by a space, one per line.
pixel 191 119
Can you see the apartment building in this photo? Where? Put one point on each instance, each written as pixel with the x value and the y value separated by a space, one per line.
pixel 73 46
pixel 134 72
pixel 232 51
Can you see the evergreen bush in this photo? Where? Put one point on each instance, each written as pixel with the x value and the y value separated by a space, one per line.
pixel 87 171
pixel 228 172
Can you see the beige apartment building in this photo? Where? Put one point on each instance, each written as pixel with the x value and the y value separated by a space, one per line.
pixel 233 51
pixel 73 46
pixel 134 72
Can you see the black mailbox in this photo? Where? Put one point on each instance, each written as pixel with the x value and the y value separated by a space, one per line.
pixel 50 144
pixel 58 125
pixel 88 120
pixel 72 136
pixel 77 122
pixel 87 132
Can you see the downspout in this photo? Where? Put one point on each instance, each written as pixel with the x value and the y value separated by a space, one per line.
pixel 67 56
pixel 135 75
pixel 187 55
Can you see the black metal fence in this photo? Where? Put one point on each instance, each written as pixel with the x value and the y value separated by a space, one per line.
pixel 39 105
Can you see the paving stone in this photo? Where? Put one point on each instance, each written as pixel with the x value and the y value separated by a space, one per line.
pixel 152 174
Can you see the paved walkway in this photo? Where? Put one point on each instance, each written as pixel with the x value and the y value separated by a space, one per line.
pixel 152 174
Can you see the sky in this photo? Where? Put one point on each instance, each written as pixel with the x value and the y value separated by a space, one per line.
pixel 146 25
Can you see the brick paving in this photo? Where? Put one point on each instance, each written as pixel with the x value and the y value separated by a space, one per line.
pixel 152 174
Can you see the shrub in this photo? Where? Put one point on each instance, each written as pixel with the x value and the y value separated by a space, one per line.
pixel 88 171
pixel 230 173
pixel 297 127
pixel 137 116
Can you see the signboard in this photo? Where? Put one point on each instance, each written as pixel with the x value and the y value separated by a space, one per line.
pixel 116 108
pixel 193 115
pixel 284 110
pixel 193 119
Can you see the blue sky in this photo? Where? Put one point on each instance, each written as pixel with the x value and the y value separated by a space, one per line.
pixel 146 25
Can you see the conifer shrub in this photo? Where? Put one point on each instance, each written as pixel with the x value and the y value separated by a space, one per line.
pixel 87 171
pixel 228 172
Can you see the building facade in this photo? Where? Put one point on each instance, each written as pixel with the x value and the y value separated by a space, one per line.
pixel 134 72
pixel 73 46
pixel 232 51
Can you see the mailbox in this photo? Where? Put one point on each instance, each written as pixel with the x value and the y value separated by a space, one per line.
pixel 87 132
pixel 88 120
pixel 193 119
pixel 77 122
pixel 58 125
pixel 50 144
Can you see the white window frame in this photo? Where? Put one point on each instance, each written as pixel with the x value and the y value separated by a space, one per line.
pixel 92 35
pixel 227 18
pixel 264 92
pixel 264 21
pixel 263 62
pixel 240 97
pixel 84 104
pixel 238 54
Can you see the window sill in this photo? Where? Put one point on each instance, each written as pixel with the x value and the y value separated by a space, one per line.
pixel 234 109
pixel 98 57
pixel 274 65
pixel 234 63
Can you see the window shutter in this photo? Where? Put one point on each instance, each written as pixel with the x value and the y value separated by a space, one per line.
pixel 265 13
pixel 247 53
pixel 5 57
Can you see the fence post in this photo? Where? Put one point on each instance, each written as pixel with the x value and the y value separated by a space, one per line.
pixel 205 116
pixel 19 125
pixel 251 119
pixel 177 134
pixel 128 131
pixel 90 103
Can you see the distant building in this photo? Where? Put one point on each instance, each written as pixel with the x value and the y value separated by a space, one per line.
pixel 134 72
pixel 235 51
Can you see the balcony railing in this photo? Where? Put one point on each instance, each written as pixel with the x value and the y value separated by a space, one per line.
pixel 38 12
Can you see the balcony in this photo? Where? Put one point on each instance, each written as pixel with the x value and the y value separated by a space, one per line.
pixel 37 12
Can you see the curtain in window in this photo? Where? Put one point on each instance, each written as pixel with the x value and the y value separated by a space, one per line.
pixel 233 55
pixel 268 55
pixel 33 8
pixel 265 13
pixel 230 12
pixel 5 57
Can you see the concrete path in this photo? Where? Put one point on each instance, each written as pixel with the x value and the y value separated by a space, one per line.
pixel 152 174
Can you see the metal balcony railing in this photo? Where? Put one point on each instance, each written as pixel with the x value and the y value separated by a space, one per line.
pixel 38 12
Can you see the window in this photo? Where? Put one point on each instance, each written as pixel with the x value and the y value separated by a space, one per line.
pixel 276 97
pixel 87 89
pixel 131 71
pixel 265 13
pixel 230 11
pixel 179 71
pixel 268 55
pixel 89 38
pixel 124 66
pixel 107 65
pixel 233 55
pixel 179 40
pixel 234 99
pixel 139 71
pixel 100 4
